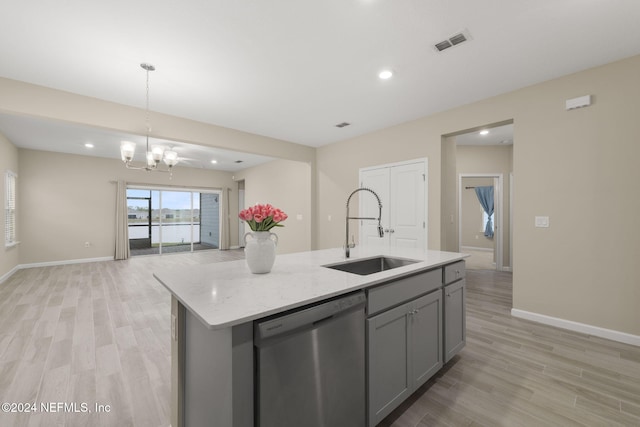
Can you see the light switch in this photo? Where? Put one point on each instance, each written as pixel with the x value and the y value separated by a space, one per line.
pixel 299 217
pixel 542 221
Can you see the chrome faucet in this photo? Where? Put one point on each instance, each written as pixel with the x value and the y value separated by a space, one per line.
pixel 347 246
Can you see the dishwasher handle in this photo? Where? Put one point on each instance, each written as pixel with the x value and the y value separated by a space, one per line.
pixel 307 318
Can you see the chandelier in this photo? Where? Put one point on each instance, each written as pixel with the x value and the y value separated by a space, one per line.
pixel 155 154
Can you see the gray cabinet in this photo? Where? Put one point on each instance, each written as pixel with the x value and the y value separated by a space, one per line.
pixel 388 368
pixel 426 325
pixel 454 309
pixel 404 351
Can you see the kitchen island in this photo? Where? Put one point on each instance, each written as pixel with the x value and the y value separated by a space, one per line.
pixel 214 307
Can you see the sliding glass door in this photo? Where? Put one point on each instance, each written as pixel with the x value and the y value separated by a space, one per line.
pixel 162 221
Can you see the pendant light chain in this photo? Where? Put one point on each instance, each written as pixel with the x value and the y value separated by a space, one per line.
pixel 147 68
pixel 148 119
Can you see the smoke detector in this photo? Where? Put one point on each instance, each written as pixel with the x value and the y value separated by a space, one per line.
pixel 454 40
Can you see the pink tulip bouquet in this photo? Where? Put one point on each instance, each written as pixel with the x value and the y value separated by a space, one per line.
pixel 262 217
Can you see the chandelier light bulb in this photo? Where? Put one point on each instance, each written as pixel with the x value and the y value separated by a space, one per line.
pixel 127 149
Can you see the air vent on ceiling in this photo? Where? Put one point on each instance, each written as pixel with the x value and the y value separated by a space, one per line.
pixel 454 40
pixel 343 124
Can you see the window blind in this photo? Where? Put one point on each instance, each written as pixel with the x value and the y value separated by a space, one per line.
pixel 10 209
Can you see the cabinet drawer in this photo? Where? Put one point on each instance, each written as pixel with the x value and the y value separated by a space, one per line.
pixel 393 293
pixel 453 272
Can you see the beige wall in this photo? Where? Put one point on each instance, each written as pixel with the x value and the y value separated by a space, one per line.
pixel 338 165
pixel 567 165
pixel 491 160
pixel 284 184
pixel 9 257
pixel 67 200
pixel 449 240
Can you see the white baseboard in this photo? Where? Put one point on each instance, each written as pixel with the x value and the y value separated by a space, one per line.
pixel 596 331
pixel 64 262
pixel 10 273
pixel 49 264
pixel 473 248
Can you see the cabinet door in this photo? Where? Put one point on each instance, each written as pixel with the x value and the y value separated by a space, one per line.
pixel 454 319
pixel 425 323
pixel 388 364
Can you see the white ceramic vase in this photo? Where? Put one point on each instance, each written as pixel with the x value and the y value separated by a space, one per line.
pixel 260 250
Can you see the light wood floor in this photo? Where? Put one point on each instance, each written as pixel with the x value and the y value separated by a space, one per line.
pixel 100 333
pixel 479 260
pixel 90 333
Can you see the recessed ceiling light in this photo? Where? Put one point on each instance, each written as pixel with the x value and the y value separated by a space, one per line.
pixel 89 145
pixel 214 161
pixel 385 74
pixel 484 132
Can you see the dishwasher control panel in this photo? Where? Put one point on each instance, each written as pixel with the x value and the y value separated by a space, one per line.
pixel 306 317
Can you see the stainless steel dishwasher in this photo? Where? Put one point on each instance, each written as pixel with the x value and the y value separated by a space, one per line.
pixel 310 366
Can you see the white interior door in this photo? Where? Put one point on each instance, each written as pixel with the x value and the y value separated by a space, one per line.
pixel 402 190
pixel 407 193
pixel 378 181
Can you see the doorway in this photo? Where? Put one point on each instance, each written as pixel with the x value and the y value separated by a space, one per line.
pixel 485 151
pixel 479 231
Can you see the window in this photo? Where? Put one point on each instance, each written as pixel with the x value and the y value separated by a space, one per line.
pixel 485 218
pixel 10 209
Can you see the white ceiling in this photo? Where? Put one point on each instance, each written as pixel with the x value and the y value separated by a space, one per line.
pixel 292 69
pixel 499 135
pixel 39 134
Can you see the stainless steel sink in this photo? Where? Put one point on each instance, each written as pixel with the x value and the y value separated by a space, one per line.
pixel 367 266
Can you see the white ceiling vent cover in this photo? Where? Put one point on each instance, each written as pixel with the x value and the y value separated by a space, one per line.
pixel 454 40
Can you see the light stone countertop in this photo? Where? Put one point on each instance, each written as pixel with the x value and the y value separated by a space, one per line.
pixel 226 294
